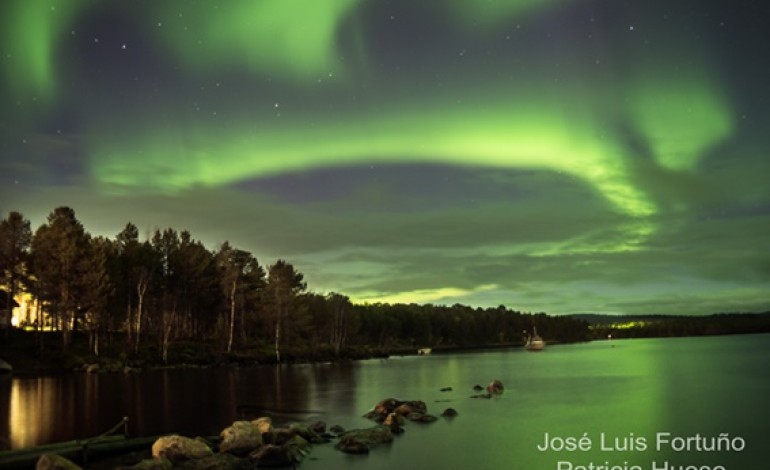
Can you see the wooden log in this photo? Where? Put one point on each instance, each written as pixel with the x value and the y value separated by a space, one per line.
pixel 79 450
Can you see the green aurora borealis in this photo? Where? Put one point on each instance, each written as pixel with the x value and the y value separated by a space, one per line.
pixel 560 156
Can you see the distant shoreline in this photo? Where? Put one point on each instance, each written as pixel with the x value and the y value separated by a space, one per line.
pixel 27 363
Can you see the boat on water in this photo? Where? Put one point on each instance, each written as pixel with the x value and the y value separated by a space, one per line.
pixel 424 351
pixel 534 341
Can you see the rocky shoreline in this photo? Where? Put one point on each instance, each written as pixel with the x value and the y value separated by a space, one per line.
pixel 258 444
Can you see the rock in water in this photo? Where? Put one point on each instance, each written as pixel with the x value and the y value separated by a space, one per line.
pixel 55 462
pixel 373 435
pixel 271 455
pixel 179 448
pixel 264 424
pixel 421 417
pixel 297 447
pixel 386 406
pixel 308 434
pixel 240 438
pixel 394 421
pixel 351 445
pixel 358 441
pixel 319 427
pixel 495 386
pixel 337 429
pixel 449 413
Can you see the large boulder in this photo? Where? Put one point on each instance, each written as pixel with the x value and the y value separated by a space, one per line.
pixel 55 462
pixel 240 438
pixel 264 424
pixel 179 448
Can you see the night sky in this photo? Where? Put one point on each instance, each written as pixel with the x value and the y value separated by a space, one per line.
pixel 550 155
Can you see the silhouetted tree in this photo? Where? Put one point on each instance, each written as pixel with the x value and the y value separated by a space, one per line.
pixel 96 289
pixel 60 250
pixel 283 285
pixel 343 323
pixel 15 239
pixel 241 277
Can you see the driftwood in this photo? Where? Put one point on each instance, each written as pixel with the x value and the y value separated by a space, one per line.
pixel 80 450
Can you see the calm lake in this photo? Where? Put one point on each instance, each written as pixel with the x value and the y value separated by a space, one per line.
pixel 631 392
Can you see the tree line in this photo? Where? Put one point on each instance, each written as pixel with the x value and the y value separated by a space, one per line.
pixel 666 326
pixel 128 295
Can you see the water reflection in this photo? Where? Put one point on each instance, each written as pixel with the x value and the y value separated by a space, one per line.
pixel 29 403
pixel 686 386
pixel 192 401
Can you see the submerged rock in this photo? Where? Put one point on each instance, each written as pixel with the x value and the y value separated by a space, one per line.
pixel 446 389
pixel 482 395
pixel 358 441
pixel 351 445
pixel 421 417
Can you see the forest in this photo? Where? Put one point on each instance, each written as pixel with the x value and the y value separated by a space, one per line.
pixel 169 299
